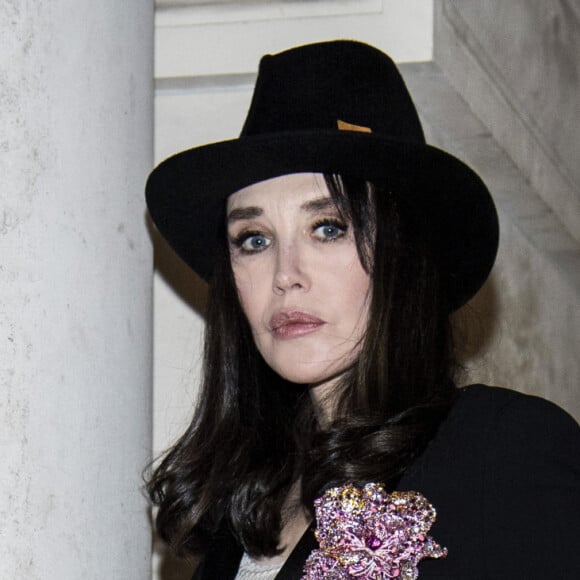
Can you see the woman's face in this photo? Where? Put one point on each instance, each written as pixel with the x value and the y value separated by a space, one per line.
pixel 299 277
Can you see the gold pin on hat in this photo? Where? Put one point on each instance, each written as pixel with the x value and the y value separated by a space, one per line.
pixel 344 126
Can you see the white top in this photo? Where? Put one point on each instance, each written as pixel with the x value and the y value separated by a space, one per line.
pixel 252 570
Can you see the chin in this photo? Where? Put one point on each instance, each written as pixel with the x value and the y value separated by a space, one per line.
pixel 307 363
pixel 311 374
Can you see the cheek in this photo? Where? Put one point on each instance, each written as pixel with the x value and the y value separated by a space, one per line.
pixel 357 305
pixel 250 295
pixel 359 282
pixel 351 289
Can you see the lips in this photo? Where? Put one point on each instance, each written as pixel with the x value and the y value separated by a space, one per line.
pixel 293 324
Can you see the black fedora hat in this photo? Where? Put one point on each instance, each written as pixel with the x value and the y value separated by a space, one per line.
pixel 332 107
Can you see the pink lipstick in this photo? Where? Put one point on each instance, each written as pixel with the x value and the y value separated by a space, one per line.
pixel 292 324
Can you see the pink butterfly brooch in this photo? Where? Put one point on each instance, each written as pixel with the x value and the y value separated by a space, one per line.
pixel 370 534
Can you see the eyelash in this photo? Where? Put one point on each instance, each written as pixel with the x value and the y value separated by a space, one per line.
pixel 239 241
pixel 334 223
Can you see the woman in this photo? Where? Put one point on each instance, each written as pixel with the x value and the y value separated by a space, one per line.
pixel 329 429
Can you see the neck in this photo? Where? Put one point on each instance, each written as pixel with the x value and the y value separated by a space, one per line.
pixel 324 398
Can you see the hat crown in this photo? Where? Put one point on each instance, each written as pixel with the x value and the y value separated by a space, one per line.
pixel 309 106
pixel 324 85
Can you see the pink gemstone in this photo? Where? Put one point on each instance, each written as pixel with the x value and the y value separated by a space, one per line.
pixel 373 543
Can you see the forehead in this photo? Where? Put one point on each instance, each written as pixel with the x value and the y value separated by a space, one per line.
pixel 290 190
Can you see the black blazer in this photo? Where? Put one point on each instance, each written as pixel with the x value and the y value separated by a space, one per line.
pixel 503 473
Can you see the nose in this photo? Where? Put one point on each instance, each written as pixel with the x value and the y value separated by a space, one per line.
pixel 290 272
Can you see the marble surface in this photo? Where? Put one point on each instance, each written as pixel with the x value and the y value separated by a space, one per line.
pixel 521 329
pixel 517 63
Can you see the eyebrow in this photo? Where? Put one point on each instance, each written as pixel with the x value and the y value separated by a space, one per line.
pixel 320 204
pixel 250 212
pixel 244 213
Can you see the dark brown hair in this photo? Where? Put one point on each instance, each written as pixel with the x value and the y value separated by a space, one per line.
pixel 254 434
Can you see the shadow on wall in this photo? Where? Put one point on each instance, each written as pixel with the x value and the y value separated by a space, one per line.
pixel 193 291
pixel 190 288
pixel 170 567
pixel 475 328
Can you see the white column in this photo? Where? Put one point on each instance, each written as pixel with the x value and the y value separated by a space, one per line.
pixel 75 288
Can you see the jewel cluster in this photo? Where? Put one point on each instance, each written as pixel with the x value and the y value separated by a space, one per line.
pixel 370 534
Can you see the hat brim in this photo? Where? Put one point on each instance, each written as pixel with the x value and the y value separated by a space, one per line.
pixel 446 200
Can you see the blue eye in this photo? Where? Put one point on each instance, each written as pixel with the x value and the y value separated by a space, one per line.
pixel 328 230
pixel 252 242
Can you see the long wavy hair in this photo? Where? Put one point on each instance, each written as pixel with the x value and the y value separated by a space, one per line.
pixel 254 435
